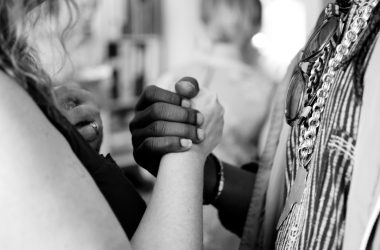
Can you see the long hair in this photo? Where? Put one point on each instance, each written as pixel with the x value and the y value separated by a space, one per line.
pixel 17 57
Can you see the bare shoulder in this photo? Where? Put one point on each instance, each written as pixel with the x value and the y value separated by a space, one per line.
pixel 22 122
pixel 30 144
pixel 49 194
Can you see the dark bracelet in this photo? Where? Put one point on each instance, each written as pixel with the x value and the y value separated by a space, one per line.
pixel 220 184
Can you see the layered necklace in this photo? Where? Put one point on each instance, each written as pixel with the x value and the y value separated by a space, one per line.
pixel 332 43
pixel 312 114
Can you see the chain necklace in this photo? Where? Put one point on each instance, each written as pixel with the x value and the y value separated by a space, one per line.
pixel 309 127
pixel 312 117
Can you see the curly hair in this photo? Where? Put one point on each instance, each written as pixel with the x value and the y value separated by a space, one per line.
pixel 17 57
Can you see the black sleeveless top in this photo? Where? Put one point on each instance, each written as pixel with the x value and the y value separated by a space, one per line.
pixel 125 202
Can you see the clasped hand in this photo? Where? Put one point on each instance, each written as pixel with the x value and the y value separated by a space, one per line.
pixel 166 122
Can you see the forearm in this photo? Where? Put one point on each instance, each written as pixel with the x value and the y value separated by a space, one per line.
pixel 234 201
pixel 173 219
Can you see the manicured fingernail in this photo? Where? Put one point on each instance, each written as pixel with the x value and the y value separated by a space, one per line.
pixel 186 143
pixel 200 134
pixel 186 103
pixel 200 119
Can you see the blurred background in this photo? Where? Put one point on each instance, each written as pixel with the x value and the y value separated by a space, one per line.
pixel 238 49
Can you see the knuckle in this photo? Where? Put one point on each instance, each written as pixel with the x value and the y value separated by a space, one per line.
pixel 150 92
pixel 174 98
pixel 187 115
pixel 148 145
pixel 149 89
pixel 191 132
pixel 190 114
pixel 167 143
pixel 155 110
pixel 157 128
pixel 158 110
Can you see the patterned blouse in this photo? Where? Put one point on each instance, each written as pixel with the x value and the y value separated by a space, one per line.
pixel 321 224
pixel 318 221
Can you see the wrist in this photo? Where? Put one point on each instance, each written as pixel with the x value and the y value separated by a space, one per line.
pixel 196 159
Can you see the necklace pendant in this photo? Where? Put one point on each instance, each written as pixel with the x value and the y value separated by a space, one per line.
pixel 305 162
pixel 295 195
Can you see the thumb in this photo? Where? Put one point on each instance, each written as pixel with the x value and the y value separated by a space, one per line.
pixel 187 87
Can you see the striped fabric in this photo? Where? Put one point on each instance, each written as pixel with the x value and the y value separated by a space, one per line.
pixel 319 224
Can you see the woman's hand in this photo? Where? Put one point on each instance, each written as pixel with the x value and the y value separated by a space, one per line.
pixel 179 184
pixel 211 129
pixel 80 108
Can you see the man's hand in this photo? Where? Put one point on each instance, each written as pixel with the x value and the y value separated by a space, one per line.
pixel 80 108
pixel 164 122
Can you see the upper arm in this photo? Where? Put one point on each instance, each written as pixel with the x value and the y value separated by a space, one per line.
pixel 49 200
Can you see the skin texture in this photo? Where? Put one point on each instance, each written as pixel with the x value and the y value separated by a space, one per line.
pixel 181 204
pixel 55 189
pixel 161 120
pixel 234 201
pixel 49 194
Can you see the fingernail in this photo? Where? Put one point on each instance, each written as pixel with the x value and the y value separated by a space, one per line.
pixel 192 81
pixel 200 119
pixel 186 143
pixel 188 85
pixel 200 134
pixel 186 103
